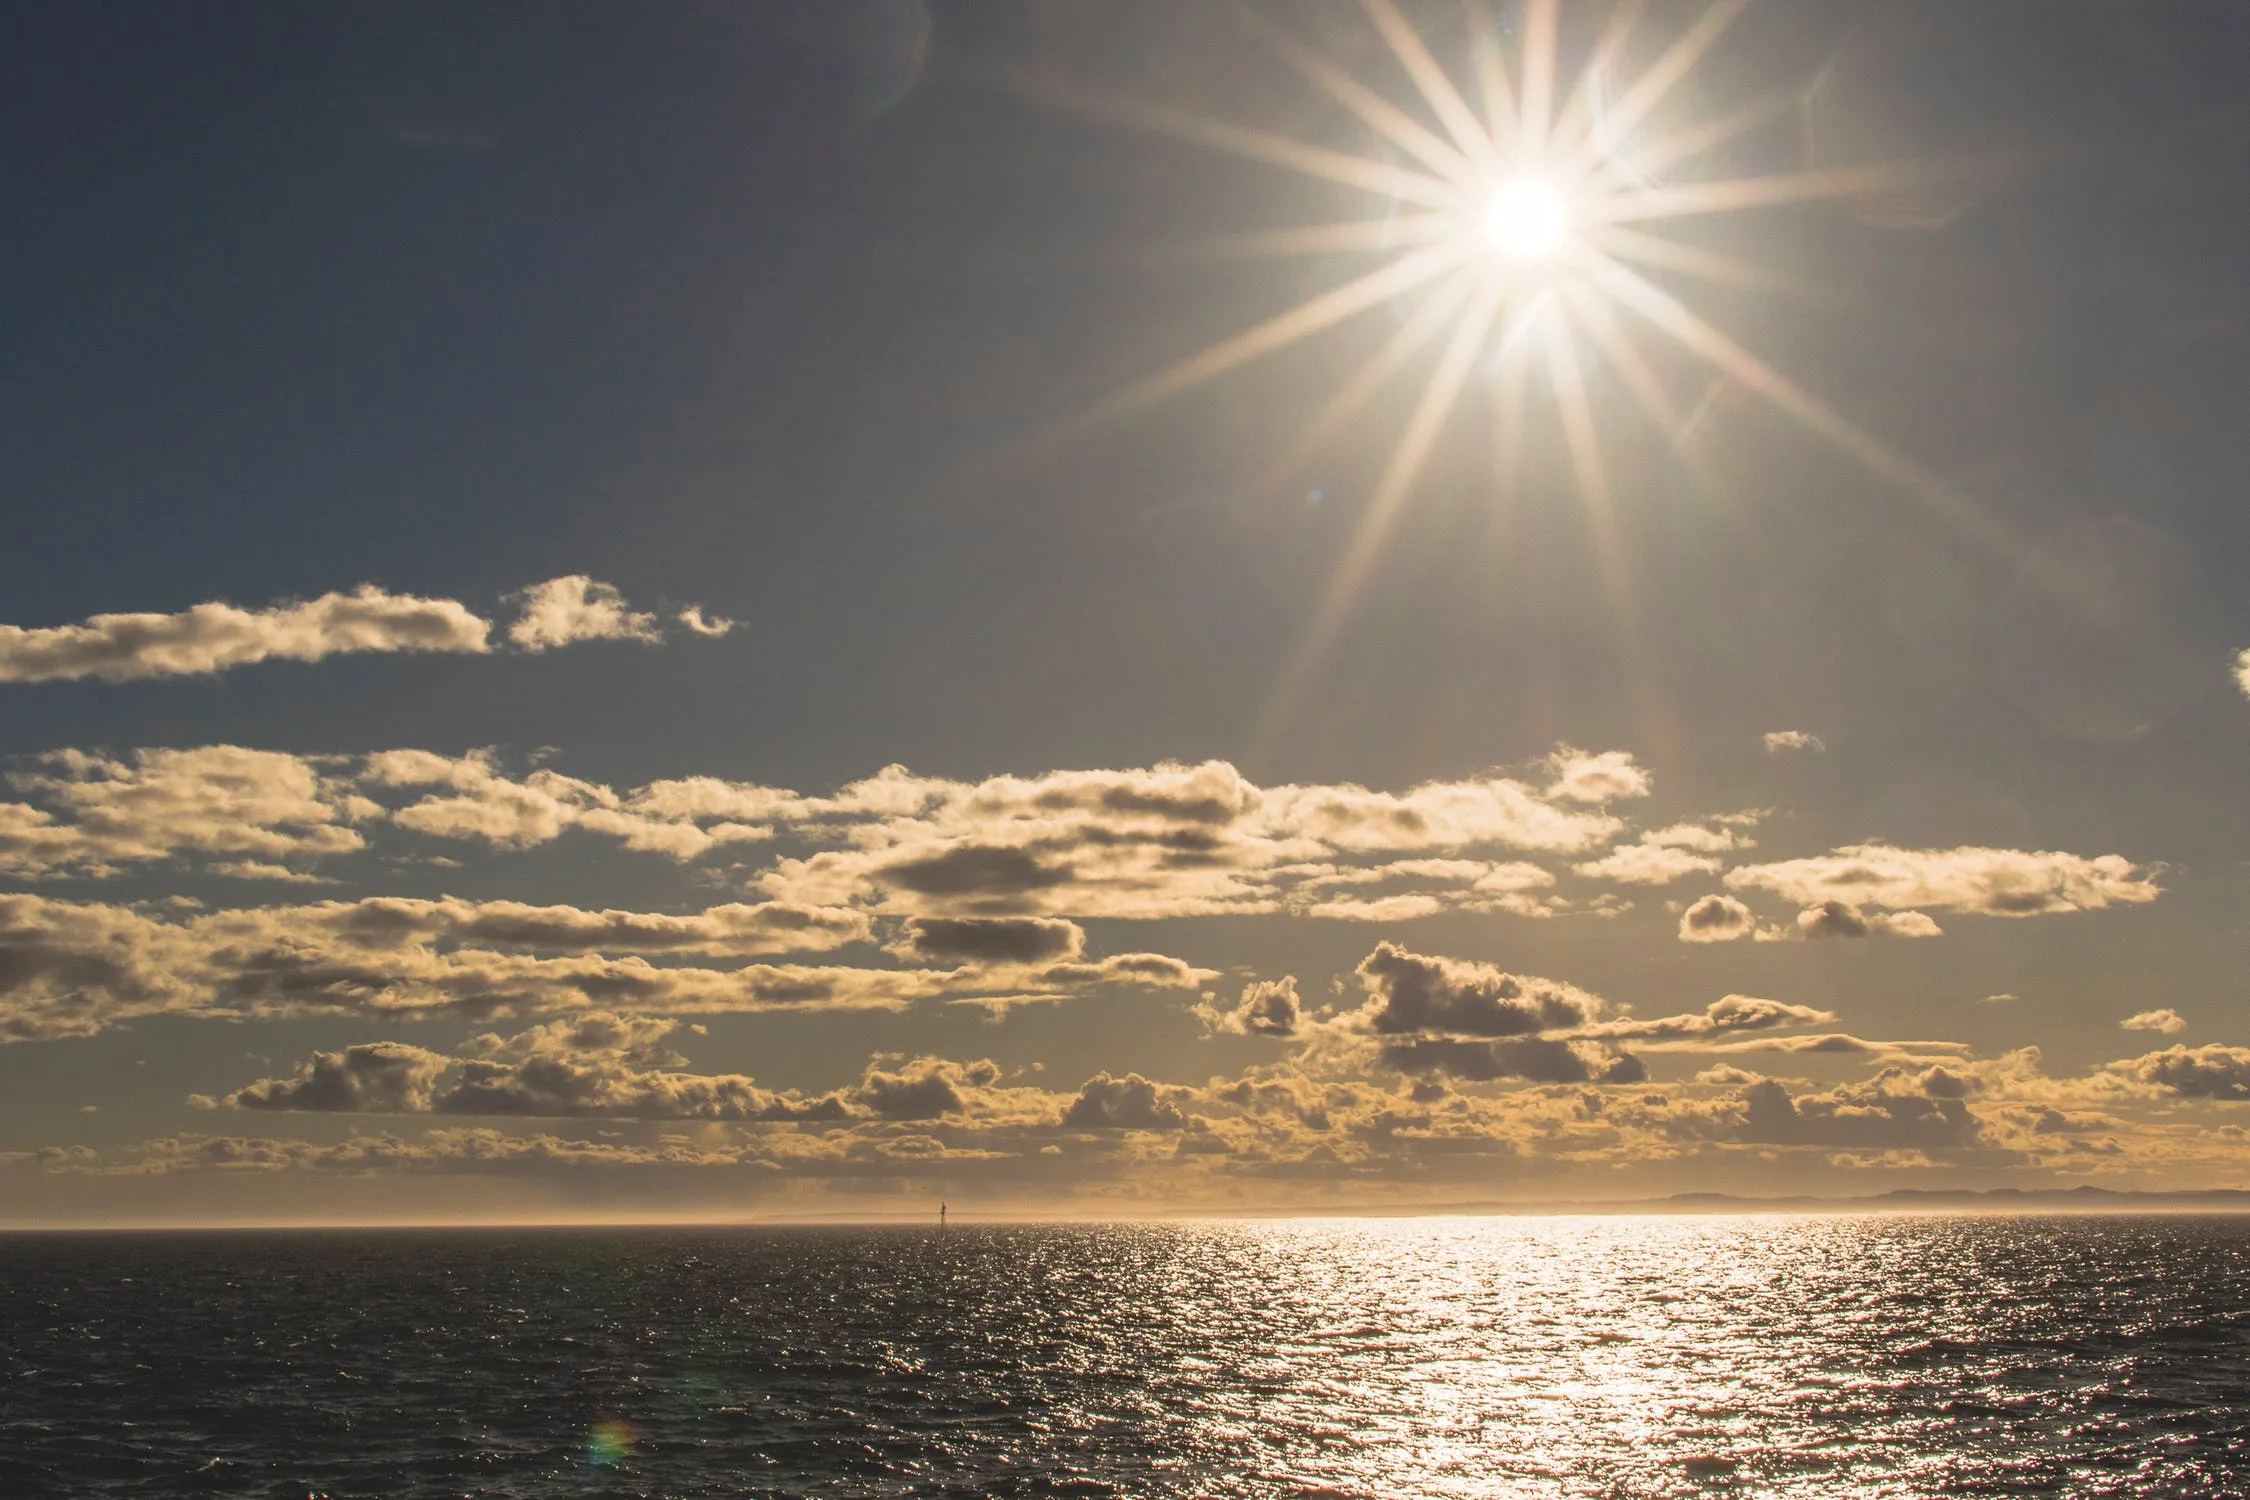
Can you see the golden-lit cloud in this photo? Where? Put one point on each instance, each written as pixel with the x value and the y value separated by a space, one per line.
pixel 73 969
pixel 1988 882
pixel 261 813
pixel 215 637
pixel 578 608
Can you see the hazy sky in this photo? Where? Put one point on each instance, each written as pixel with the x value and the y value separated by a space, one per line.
pixel 812 606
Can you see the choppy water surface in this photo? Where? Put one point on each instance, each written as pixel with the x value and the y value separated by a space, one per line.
pixel 1628 1357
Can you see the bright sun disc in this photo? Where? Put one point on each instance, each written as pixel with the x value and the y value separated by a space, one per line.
pixel 1524 220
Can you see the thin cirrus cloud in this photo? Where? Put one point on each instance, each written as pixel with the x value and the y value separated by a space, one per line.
pixel 214 637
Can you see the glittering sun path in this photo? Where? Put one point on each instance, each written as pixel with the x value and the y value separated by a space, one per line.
pixel 1905 1356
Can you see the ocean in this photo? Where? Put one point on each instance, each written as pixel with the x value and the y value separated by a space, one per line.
pixel 1906 1355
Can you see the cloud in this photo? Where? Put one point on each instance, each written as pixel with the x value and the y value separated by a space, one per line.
pixel 577 608
pixel 1891 1111
pixel 1534 1059
pixel 103 814
pixel 1991 882
pixel 1779 740
pixel 372 1078
pixel 1728 1014
pixel 72 969
pixel 1454 1018
pixel 1840 919
pixel 1021 940
pixel 1144 844
pixel 208 638
pixel 1171 840
pixel 1648 864
pixel 696 622
pixel 1728 835
pixel 1716 919
pixel 1594 779
pixel 214 637
pixel 608 1066
pixel 2242 671
pixel 1267 1008
pixel 1409 992
pixel 2166 1021
pixel 478 802
pixel 2212 1072
pixel 1128 1103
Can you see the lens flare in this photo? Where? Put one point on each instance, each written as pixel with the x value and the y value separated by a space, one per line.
pixel 610 1443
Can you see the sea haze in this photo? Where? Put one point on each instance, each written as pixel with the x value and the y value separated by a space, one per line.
pixel 1815 1355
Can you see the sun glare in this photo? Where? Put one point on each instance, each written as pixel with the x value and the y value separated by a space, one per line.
pixel 1525 220
pixel 1595 226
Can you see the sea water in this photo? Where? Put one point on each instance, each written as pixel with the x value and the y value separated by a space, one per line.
pixel 1814 1355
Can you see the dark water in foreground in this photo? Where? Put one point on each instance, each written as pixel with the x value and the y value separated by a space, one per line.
pixel 1861 1356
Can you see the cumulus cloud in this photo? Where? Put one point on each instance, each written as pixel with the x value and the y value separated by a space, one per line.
pixel 1266 1008
pixel 208 638
pixel 69 969
pixel 1648 863
pixel 1779 740
pixel 373 1078
pixel 214 637
pixel 1021 940
pixel 1840 919
pixel 2166 1021
pixel 1172 840
pixel 1166 841
pixel 2242 671
pixel 577 608
pixel 94 814
pixel 2212 1072
pixel 1411 992
pixel 72 969
pixel 1717 919
pixel 1990 882
pixel 1893 1110
pixel 474 800
pixel 1128 1103
pixel 1586 777
pixel 1454 1018
pixel 607 1066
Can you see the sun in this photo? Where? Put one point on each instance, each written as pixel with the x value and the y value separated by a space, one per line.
pixel 1518 228
pixel 1526 220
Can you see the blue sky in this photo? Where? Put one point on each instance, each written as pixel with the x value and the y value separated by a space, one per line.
pixel 1605 718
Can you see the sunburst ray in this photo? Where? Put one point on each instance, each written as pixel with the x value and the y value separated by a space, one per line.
pixel 1385 118
pixel 1663 75
pixel 1385 179
pixel 1400 471
pixel 1444 100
